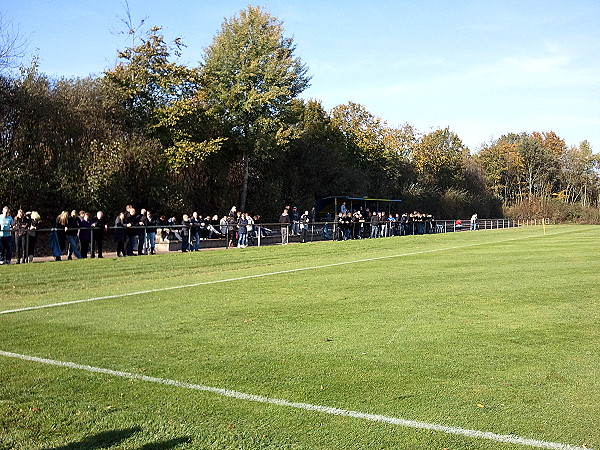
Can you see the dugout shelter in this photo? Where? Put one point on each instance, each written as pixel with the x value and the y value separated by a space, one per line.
pixel 329 207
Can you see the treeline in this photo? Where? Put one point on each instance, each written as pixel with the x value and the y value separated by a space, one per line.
pixel 234 130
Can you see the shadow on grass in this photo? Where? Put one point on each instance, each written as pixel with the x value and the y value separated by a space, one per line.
pixel 166 445
pixel 110 438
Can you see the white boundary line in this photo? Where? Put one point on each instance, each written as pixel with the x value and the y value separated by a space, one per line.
pixel 246 277
pixel 504 438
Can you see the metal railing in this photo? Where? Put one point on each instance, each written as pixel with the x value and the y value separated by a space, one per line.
pixel 171 237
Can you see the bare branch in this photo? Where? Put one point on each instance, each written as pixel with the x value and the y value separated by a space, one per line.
pixel 130 29
pixel 12 45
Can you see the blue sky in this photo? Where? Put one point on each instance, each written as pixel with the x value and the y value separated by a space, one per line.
pixel 482 68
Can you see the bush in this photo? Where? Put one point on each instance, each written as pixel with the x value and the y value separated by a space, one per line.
pixel 558 211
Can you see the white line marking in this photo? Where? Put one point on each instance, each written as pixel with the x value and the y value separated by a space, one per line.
pixel 505 438
pixel 246 277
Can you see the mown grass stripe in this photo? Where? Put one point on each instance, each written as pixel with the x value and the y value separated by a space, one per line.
pixel 279 272
pixel 504 438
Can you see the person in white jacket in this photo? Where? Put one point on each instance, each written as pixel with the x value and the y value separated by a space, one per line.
pixel 474 221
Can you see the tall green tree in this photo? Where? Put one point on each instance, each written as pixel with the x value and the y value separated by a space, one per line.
pixel 160 105
pixel 438 160
pixel 146 81
pixel 250 77
pixel 579 176
pixel 503 166
pixel 539 166
pixel 379 152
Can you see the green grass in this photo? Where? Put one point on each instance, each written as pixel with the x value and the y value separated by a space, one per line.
pixel 504 319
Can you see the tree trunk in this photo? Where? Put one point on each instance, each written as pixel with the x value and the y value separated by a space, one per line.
pixel 244 193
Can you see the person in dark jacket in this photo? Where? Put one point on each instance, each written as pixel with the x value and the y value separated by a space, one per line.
pixel 284 220
pixel 132 221
pixel 231 229
pixel 72 231
pixel 242 231
pixel 304 221
pixel 295 221
pixel 62 221
pixel 99 227
pixel 34 224
pixel 185 233
pixel 195 231
pixel 21 224
pixel 85 234
pixel 374 221
pixel 143 224
pixel 120 234
pixel 153 224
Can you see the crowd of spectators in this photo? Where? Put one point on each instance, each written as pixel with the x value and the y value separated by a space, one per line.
pixel 20 230
pixel 363 223
pixel 82 234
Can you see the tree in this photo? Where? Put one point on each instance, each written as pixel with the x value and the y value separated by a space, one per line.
pixel 161 106
pixel 250 77
pixel 503 166
pixel 12 46
pixel 438 159
pixel 578 174
pixel 147 83
pixel 379 152
pixel 539 166
pixel 315 162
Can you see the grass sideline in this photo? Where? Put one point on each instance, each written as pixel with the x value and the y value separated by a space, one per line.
pixel 493 330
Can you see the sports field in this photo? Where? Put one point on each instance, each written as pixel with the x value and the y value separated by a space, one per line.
pixel 471 340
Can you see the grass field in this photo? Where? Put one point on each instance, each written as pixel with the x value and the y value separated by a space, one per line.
pixel 492 331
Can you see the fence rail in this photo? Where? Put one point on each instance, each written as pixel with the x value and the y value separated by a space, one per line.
pixel 170 238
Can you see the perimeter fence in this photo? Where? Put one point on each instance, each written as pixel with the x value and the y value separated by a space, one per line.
pixel 51 243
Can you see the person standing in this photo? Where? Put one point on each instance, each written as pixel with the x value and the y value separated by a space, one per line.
pixel 242 231
pixel 120 235
pixel 85 234
pixel 99 226
pixel 374 221
pixel 62 221
pixel 6 223
pixel 304 220
pixel 295 220
pixel 142 224
pixel 34 224
pixel 474 221
pixel 404 224
pixel 195 230
pixel 250 229
pixel 132 222
pixel 185 233
pixel 21 224
pixel 153 224
pixel 72 229
pixel 231 229
pixel 223 225
pixel 284 220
